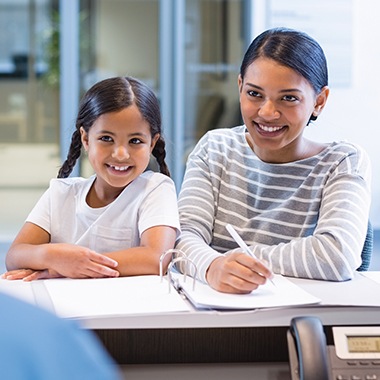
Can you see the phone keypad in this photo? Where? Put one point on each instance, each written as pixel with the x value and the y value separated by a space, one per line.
pixel 356 377
pixel 353 369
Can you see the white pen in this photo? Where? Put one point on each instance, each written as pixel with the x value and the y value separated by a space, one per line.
pixel 242 244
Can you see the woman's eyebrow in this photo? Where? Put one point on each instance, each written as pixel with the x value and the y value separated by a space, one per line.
pixel 282 91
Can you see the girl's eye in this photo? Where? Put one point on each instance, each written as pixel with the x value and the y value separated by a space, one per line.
pixel 106 138
pixel 290 98
pixel 135 140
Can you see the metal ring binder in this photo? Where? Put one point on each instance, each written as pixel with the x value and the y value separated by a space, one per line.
pixel 181 256
pixel 176 260
pixel 162 257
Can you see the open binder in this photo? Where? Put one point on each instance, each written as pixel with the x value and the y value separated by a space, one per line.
pixel 279 293
pixel 171 293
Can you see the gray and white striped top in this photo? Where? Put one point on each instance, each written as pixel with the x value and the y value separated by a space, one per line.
pixel 306 218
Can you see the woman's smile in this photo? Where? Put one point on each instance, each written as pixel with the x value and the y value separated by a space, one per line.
pixel 270 130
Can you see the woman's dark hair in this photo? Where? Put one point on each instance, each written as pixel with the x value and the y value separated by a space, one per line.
pixel 112 95
pixel 293 49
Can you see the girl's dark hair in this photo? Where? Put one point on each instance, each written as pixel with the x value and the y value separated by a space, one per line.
pixel 293 49
pixel 112 95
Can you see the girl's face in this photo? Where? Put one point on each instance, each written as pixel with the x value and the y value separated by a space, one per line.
pixel 119 145
pixel 276 104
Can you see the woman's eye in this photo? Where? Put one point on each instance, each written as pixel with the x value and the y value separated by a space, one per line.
pixel 254 94
pixel 106 138
pixel 290 98
pixel 135 141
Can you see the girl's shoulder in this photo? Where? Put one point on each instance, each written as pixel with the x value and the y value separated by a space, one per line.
pixel 70 184
pixel 153 179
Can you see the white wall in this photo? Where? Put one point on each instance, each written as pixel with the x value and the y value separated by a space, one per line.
pixel 353 107
pixel 352 113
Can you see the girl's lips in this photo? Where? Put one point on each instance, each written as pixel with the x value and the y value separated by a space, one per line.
pixel 119 168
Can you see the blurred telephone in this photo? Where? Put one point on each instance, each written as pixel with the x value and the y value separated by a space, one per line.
pixel 354 355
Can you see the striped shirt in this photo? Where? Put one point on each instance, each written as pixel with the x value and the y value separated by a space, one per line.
pixel 306 218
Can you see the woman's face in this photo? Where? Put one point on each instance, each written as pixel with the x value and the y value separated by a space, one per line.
pixel 276 104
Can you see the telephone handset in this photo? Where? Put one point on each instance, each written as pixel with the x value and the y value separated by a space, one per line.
pixel 354 355
pixel 307 350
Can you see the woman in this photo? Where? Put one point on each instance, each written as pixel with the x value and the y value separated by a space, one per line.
pixel 302 206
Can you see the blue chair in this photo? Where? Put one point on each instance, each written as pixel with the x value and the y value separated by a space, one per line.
pixel 367 249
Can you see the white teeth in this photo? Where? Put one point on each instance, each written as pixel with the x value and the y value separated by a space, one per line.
pixel 269 129
pixel 119 168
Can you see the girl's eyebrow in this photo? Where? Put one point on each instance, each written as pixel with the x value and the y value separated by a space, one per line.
pixel 106 132
pixel 281 91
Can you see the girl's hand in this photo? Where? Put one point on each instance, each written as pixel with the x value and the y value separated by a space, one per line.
pixel 79 262
pixel 64 260
pixel 237 273
pixel 30 274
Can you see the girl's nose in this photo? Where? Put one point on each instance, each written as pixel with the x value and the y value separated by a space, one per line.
pixel 268 110
pixel 120 152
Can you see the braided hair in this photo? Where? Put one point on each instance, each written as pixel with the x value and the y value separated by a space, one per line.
pixel 112 95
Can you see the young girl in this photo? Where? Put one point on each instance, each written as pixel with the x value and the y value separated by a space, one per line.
pixel 119 221
pixel 301 205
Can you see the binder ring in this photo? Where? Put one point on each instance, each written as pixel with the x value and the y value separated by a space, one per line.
pixel 176 260
pixel 162 258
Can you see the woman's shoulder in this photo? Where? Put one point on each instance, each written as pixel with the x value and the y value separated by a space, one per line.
pixel 227 133
pixel 345 149
pixel 349 157
pixel 222 139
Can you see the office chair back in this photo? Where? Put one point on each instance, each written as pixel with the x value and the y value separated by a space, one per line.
pixel 367 249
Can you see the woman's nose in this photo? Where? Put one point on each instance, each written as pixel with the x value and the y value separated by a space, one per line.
pixel 268 110
pixel 120 152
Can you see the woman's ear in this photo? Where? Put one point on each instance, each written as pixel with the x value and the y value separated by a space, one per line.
pixel 84 137
pixel 240 83
pixel 321 101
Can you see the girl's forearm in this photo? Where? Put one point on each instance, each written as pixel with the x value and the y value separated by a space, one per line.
pixel 31 256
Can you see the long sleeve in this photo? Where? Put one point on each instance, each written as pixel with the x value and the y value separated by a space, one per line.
pixel 307 218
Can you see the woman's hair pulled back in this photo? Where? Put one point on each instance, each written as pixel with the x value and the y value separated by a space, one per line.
pixel 293 49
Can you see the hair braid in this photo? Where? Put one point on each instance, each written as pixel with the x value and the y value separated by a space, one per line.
pixel 160 154
pixel 72 157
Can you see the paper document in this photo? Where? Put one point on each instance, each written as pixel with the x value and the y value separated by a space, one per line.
pixel 81 298
pixel 375 275
pixel 282 293
pixel 19 289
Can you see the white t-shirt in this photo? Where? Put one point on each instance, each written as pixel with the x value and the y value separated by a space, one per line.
pixel 150 200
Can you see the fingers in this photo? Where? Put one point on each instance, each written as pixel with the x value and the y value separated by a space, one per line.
pixel 37 275
pixel 103 259
pixel 103 266
pixel 97 270
pixel 17 274
pixel 237 273
pixel 254 265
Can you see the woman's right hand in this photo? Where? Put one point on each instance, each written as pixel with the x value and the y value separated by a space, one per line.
pixel 237 273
